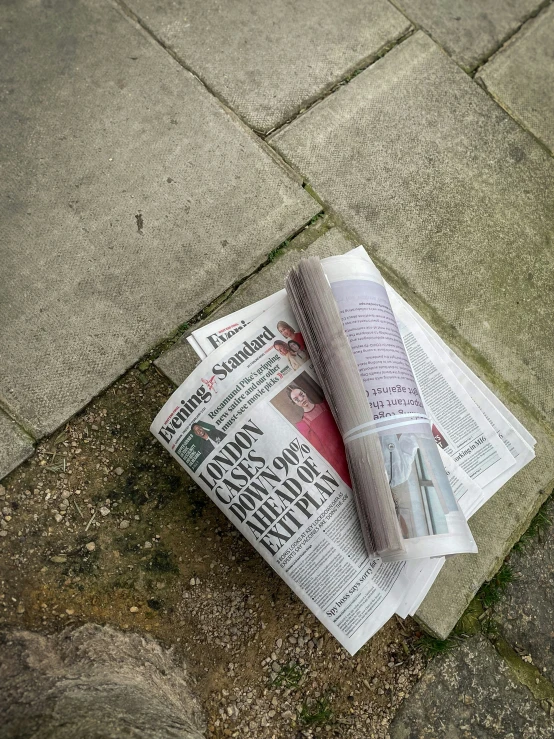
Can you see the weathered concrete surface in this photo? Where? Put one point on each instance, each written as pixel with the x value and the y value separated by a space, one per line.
pixel 179 361
pixel 471 30
pixel 268 60
pixel 525 611
pixel 521 77
pixel 93 682
pixel 15 445
pixel 447 191
pixel 131 199
pixel 470 693
pixel 496 527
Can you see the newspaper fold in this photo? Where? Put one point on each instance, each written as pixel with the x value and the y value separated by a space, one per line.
pixel 406 506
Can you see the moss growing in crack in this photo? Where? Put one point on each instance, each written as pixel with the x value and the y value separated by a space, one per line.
pixel 431 646
pixel 492 590
pixel 524 672
pixel 536 529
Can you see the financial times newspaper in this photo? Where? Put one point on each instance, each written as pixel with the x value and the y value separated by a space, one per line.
pixel 275 464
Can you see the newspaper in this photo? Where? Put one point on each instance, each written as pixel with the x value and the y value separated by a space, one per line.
pixel 232 427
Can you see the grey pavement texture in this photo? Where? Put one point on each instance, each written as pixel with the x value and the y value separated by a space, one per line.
pixel 179 361
pixel 448 192
pixel 526 612
pixel 15 445
pixel 496 527
pixel 131 198
pixel 521 77
pixel 268 60
pixel 471 30
pixel 470 693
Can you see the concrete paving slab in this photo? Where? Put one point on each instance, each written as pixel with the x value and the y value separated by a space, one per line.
pixel 470 692
pixel 449 194
pixel 525 611
pixel 521 77
pixel 268 60
pixel 179 361
pixel 15 445
pixel 472 30
pixel 132 199
pixel 496 527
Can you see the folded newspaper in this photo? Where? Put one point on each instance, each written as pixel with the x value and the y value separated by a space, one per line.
pixel 350 455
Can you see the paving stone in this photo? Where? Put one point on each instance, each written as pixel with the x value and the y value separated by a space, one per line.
pixel 470 693
pixel 471 30
pixel 15 445
pixel 525 611
pixel 521 77
pixel 132 199
pixel 268 60
pixel 449 193
pixel 496 527
pixel 179 361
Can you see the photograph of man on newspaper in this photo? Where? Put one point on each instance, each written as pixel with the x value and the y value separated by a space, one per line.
pixel 199 443
pixel 302 403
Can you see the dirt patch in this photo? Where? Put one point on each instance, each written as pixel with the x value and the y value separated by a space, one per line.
pixel 101 525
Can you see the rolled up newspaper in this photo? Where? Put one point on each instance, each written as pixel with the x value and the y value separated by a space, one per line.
pixel 404 500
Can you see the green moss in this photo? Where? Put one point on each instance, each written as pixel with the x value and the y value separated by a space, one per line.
pixel 524 672
pixel 491 592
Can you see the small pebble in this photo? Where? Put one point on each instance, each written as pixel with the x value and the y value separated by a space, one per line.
pixel 104 511
pixel 3 532
pixel 148 545
pixel 21 608
pixel 118 470
pixel 133 609
pixel 58 558
pixel 124 524
pixel 58 517
pixel 69 611
pixel 91 546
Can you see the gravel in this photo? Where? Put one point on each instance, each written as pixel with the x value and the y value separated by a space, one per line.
pixel 261 664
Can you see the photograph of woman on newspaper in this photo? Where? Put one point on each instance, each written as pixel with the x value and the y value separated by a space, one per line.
pixel 302 403
pixel 286 330
pixel 284 350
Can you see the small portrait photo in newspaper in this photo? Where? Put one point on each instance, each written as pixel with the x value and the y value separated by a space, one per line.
pixel 303 405
pixel 199 443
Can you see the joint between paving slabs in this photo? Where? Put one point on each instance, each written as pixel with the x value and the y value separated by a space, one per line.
pixel 186 327
pixel 481 82
pixel 448 332
pixel 509 38
pixel 347 77
pixel 23 426
pixel 479 618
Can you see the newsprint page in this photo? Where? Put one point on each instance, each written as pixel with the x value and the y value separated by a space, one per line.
pixel 252 428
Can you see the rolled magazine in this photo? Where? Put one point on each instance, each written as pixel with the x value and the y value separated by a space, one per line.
pixel 405 503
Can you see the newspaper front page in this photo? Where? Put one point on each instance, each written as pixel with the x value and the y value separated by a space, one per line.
pixel 278 471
